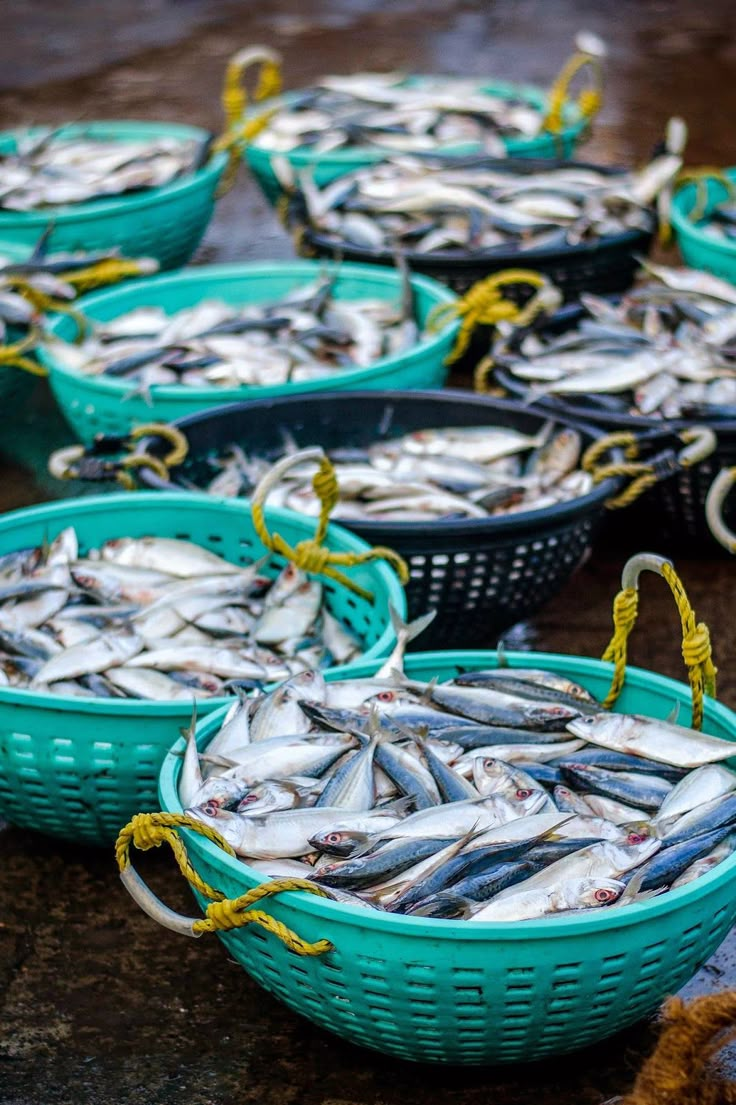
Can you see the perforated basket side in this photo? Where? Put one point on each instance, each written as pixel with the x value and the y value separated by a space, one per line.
pixel 471 993
pixel 81 768
pixel 481 576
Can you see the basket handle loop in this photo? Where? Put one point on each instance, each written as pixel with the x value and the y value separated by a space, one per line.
pixel 238 131
pixel 699 441
pixel 150 830
pixel 12 356
pixel 696 646
pixel 700 178
pixel 311 555
pixel 717 494
pixel 90 463
pixel 485 305
pixel 587 58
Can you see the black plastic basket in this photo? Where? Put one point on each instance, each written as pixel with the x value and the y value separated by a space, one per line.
pixel 671 515
pixel 603 267
pixel 480 575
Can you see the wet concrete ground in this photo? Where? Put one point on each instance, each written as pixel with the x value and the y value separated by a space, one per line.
pixel 98 1004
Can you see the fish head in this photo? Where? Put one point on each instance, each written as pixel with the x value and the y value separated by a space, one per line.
pixel 637 832
pixel 337 842
pixel 598 892
pixel 583 726
pixel 308 686
pixel 222 821
pixel 527 801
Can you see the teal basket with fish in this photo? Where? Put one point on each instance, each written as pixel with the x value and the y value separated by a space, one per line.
pixel 328 166
pixel 563 122
pixel 77 768
pixel 693 208
pixel 165 222
pixel 16 384
pixel 484 993
pixel 98 404
pixel 445 991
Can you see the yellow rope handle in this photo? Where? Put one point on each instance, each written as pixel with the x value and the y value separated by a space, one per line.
pixel 589 100
pixel 11 356
pixel 238 131
pixel 700 442
pixel 109 271
pixel 151 830
pixel 700 178
pixel 641 474
pixel 696 645
pixel 311 555
pixel 160 465
pixel 485 305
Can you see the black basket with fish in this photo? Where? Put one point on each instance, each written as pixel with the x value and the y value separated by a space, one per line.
pixel 481 575
pixel 603 265
pixel 671 515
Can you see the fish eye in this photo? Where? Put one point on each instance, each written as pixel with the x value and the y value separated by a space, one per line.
pixel 524 792
pixel 211 808
pixel 333 838
pixel 386 696
pixel 604 895
pixel 635 838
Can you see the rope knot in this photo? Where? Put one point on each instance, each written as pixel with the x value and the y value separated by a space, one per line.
pixel 311 557
pixel 224 915
pixel 626 609
pixel 696 646
pixel 147 832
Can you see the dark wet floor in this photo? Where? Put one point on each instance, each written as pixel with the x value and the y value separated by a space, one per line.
pixel 97 1004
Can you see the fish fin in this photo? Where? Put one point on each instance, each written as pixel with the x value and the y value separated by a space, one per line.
pixel 399 806
pixel 426 696
pixel 189 729
pixel 217 761
pixel 673 715
pixel 501 656
pixel 633 892
pixel 414 628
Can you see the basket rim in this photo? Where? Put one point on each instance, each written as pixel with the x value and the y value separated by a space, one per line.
pixel 70 509
pixel 448 528
pixel 533 94
pixel 459 260
pixel 251 271
pixel 434 928
pixel 125 203
pixel 683 226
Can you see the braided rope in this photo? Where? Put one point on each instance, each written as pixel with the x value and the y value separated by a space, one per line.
pixel 590 99
pixel 696 643
pixel 485 305
pixel 310 555
pixel 151 830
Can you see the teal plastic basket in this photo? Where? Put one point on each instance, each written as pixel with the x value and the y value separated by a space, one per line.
pixel 95 404
pixel 16 385
pixel 699 249
pixel 479 993
pixel 79 767
pixel 166 223
pixel 327 166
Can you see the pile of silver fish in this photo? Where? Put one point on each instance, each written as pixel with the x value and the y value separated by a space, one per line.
pixel 451 473
pixel 156 618
pixel 394 112
pixel 23 284
pixel 481 206
pixel 309 334
pixel 666 349
pixel 498 795
pixel 51 167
